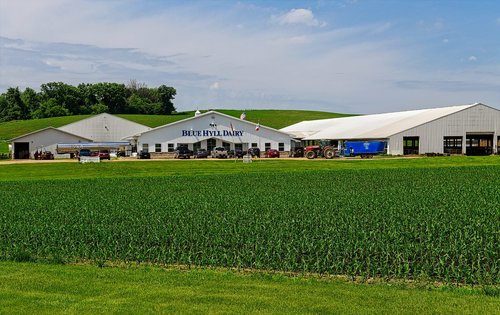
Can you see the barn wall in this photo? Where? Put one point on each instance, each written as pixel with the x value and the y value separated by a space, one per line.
pixel 47 140
pixel 476 119
pixel 202 130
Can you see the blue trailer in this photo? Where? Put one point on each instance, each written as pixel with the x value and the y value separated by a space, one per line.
pixel 365 149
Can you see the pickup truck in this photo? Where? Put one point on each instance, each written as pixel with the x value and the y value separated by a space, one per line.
pixel 104 155
pixel 183 153
pixel 219 152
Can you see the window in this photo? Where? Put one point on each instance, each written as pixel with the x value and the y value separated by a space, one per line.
pixel 226 146
pixel 267 146
pixel 158 147
pixel 210 144
pixel 410 145
pixel 281 146
pixel 238 146
pixel 170 147
pixel 452 145
pixel 254 145
pixel 196 146
pixel 145 147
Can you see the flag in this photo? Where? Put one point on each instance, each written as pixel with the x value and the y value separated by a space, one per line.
pixel 232 129
pixel 243 116
pixel 257 127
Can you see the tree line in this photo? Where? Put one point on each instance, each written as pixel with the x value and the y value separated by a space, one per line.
pixel 61 99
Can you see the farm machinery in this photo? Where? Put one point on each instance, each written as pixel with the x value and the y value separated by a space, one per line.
pixel 364 149
pixel 325 149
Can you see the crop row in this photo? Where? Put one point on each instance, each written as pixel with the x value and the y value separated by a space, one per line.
pixel 441 224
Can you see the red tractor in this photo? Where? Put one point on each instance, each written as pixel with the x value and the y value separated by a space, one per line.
pixel 325 149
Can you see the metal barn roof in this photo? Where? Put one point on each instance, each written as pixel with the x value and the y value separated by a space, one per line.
pixel 104 128
pixel 377 126
pixel 45 129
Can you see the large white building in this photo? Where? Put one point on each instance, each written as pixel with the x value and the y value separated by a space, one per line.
pixel 209 130
pixel 103 130
pixel 467 129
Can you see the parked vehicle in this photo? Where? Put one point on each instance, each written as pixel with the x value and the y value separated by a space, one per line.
pixel 46 155
pixel 183 153
pixel 296 152
pixel 200 154
pixel 254 152
pixel 219 152
pixel 144 155
pixel 272 153
pixel 104 155
pixel 324 149
pixel 236 153
pixel 86 152
pixel 365 149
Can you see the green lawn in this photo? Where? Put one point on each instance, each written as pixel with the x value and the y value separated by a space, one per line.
pixel 4 147
pixel 15 128
pixel 136 168
pixel 281 118
pixel 156 120
pixel 27 288
pixel 271 118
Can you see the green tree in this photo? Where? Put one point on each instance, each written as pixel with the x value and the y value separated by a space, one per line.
pixel 31 100
pixel 3 107
pixel 165 96
pixel 88 97
pixel 98 109
pixel 12 107
pixel 63 94
pixel 136 104
pixel 113 95
pixel 50 108
pixel 58 98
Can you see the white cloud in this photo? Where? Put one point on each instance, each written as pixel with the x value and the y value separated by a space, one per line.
pixel 472 58
pixel 299 16
pixel 214 86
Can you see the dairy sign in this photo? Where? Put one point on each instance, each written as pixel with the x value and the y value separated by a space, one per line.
pixel 212 133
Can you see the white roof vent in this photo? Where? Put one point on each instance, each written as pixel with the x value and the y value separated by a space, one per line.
pixel 197 113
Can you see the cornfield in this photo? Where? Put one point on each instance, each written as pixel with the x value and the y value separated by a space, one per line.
pixel 441 224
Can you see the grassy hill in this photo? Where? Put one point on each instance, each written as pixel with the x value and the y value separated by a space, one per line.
pixel 271 118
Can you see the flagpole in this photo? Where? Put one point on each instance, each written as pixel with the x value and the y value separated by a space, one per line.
pixel 258 129
pixel 232 138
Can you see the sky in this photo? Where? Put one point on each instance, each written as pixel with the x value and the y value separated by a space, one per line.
pixel 348 56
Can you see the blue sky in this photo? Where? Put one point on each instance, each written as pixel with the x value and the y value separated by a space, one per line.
pixel 353 56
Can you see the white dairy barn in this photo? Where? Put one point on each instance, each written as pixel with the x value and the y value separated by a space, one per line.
pixel 24 147
pixel 209 130
pixel 467 129
pixel 102 131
